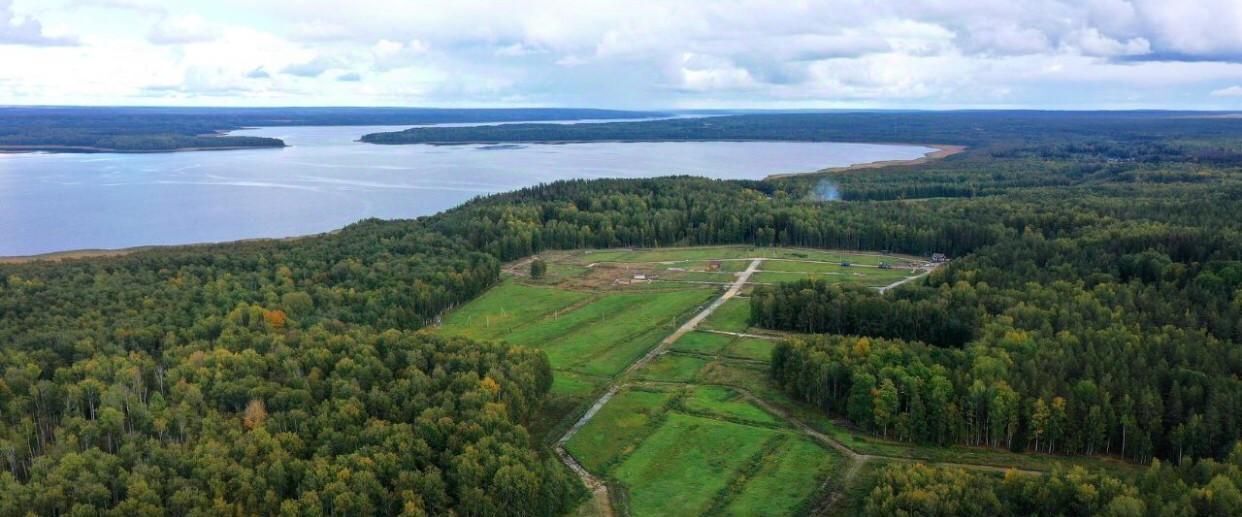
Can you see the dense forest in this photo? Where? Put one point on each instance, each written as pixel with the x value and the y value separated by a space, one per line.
pixel 1093 306
pixel 1203 487
pixel 145 129
pixel 1057 132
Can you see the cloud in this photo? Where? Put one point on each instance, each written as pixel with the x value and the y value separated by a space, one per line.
pixel 16 30
pixel 313 68
pixel 177 30
pixel 1091 42
pixel 662 53
pixel 389 55
pixel 318 30
pixel 1231 91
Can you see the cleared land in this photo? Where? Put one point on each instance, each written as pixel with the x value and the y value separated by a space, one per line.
pixel 699 429
pixel 701 451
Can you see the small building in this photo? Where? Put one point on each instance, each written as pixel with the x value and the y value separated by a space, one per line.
pixel 713 265
pixel 640 276
pixel 939 257
pixel 886 265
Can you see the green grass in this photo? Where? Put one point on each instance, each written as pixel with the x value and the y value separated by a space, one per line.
pixel 507 307
pixel 598 338
pixel 681 467
pixel 672 368
pixel 731 317
pixel 807 267
pixel 751 348
pixel 696 254
pixel 724 402
pixel 618 428
pixel 567 383
pixel 786 481
pixel 696 276
pixel 870 277
pixel 702 342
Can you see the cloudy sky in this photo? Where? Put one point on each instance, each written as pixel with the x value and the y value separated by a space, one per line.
pixel 625 54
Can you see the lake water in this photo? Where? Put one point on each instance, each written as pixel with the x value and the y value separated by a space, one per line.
pixel 325 180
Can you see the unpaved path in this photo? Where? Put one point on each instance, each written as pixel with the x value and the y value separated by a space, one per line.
pixel 925 272
pixel 598 488
pixel 855 459
pixel 742 334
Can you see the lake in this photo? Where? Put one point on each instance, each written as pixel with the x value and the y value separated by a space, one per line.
pixel 326 180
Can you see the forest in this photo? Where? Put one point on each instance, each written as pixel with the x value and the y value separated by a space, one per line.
pixel 1093 306
pixel 1203 487
pixel 149 129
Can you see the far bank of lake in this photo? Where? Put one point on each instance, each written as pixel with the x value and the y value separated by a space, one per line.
pixel 325 179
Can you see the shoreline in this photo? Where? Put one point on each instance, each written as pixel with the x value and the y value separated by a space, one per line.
pixel 86 149
pixel 58 256
pixel 941 151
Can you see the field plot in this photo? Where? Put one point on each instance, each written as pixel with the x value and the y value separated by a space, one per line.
pixel 870 277
pixel 592 335
pixel 733 316
pixel 726 253
pixel 619 427
pixel 784 479
pixel 702 343
pixel 686 463
pixel 724 402
pixel 699 429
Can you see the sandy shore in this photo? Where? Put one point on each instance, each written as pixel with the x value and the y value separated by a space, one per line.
pixel 941 151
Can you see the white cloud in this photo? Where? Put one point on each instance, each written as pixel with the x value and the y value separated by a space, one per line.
pixel 663 53
pixel 313 68
pixel 20 30
pixel 176 30
pixel 1231 91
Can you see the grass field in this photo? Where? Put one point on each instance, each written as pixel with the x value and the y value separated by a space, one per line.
pixel 730 317
pixel 619 427
pixel 871 277
pixel 592 335
pixel 784 480
pixel 672 368
pixel 725 253
pixel 750 348
pixel 682 437
pixel 702 342
pixel 724 402
pixel 682 466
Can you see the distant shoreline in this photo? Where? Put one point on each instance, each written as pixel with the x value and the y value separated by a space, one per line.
pixel 57 256
pixel 87 149
pixel 941 151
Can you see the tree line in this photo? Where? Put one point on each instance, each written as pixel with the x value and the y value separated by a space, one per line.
pixel 1204 487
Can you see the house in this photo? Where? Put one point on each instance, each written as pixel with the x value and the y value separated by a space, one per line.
pixel 939 257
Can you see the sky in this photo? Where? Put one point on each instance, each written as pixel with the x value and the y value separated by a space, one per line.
pixel 650 54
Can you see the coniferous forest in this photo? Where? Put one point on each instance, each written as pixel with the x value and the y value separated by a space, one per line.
pixel 1092 306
